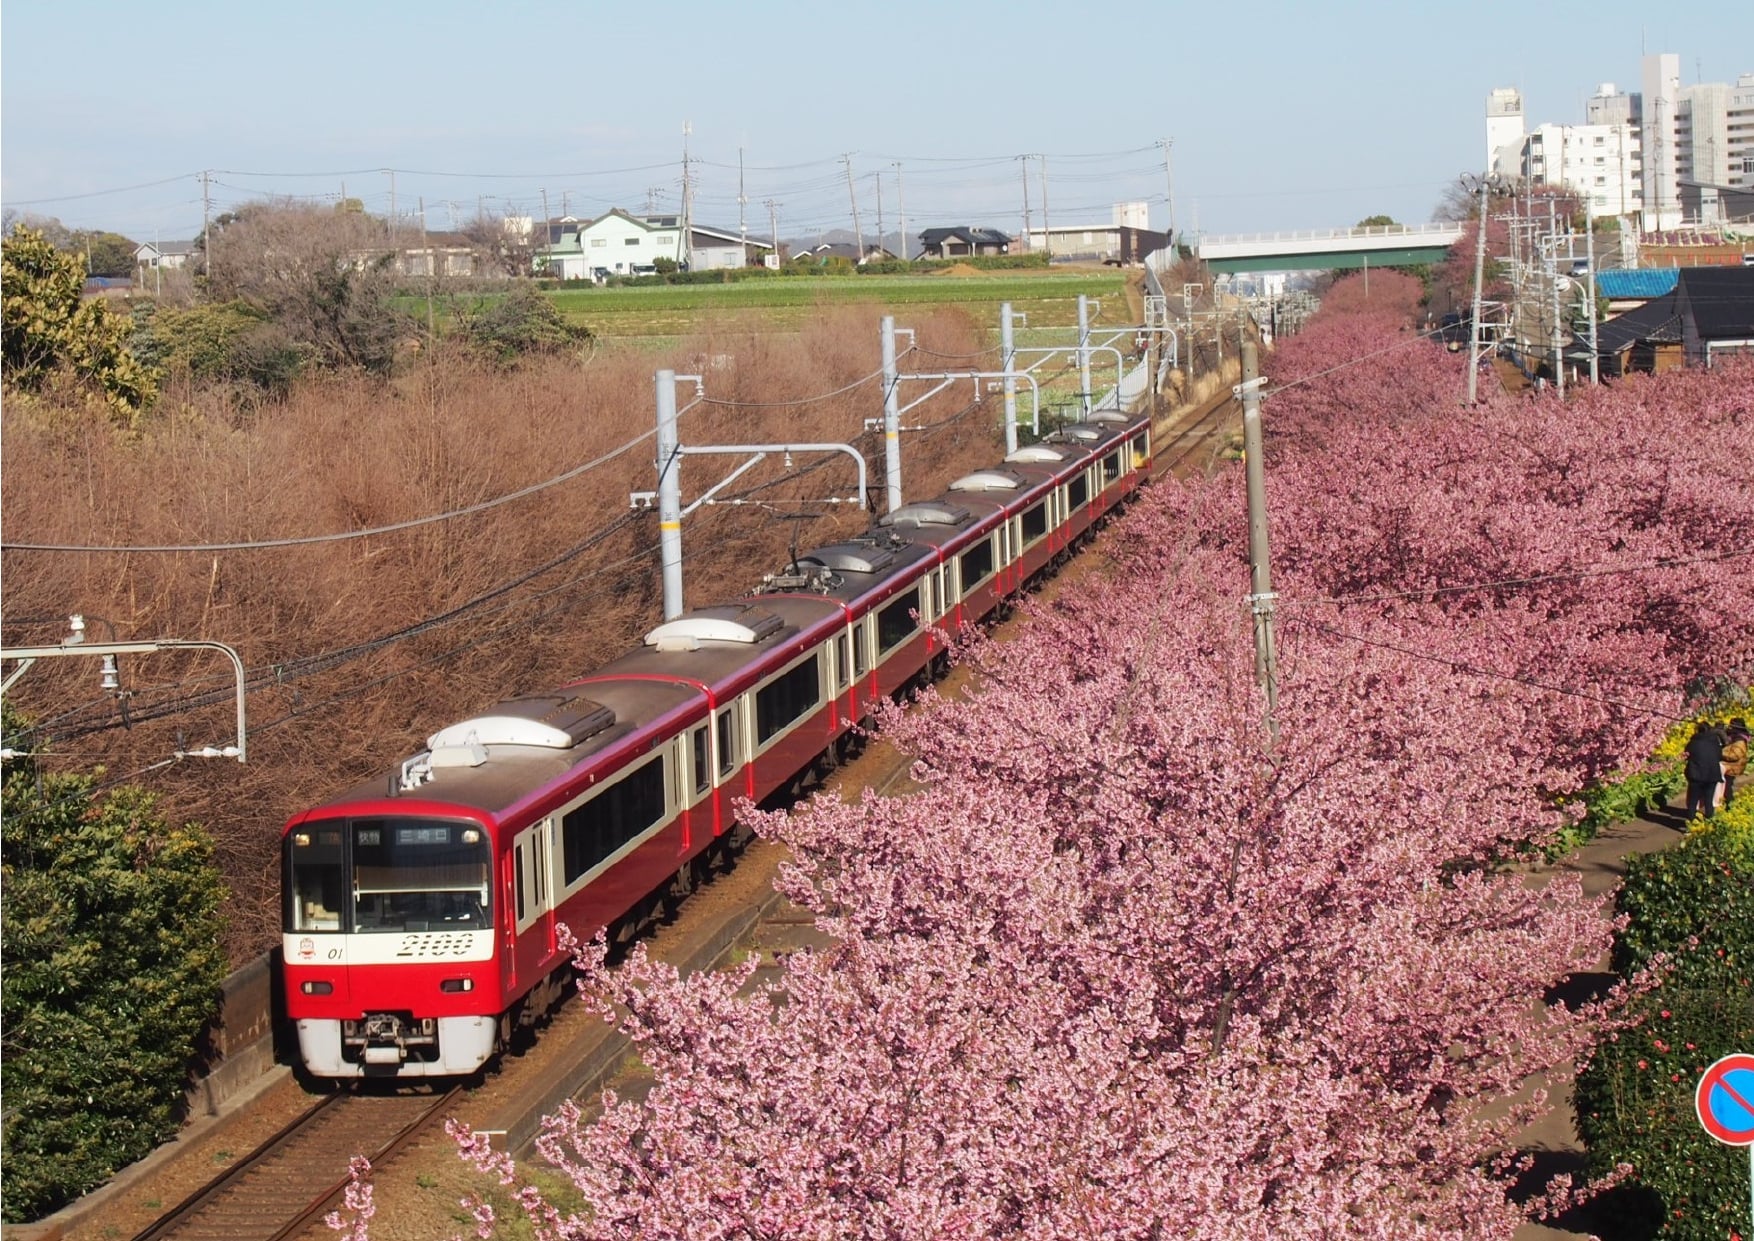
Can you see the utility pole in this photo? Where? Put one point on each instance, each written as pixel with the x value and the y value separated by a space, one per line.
pixel 853 194
pixel 1169 186
pixel 1553 279
pixel 1023 167
pixel 1474 320
pixel 545 235
pixel 1589 206
pixel 901 205
pixel 391 173
pixel 432 266
pixel 1260 571
pixel 684 240
pixel 742 205
pixel 773 228
pixel 1047 236
pixel 206 230
pixel 879 176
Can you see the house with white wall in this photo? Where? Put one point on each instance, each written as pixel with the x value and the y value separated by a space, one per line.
pixel 622 244
pixel 616 244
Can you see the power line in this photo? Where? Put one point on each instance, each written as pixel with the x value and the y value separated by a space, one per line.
pixel 1578 575
pixel 1492 675
pixel 344 536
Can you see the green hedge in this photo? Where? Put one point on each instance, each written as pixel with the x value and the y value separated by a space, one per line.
pixel 113 964
pixel 1695 904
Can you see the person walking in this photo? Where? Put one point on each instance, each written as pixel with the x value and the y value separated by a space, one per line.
pixel 1735 756
pixel 1705 759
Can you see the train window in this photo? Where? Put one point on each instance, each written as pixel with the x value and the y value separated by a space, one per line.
pixel 1111 468
pixel 785 699
pixel 543 846
pixel 1141 450
pixel 703 772
pixel 615 816
pixel 843 661
pixel 316 879
pixel 977 563
pixel 420 875
pixel 1035 522
pixel 518 869
pixel 895 623
pixel 1078 491
pixel 727 741
pixel 859 664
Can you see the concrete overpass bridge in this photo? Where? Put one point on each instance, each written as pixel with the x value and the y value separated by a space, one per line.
pixel 1376 245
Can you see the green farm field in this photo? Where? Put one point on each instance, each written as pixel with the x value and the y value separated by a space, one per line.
pixel 784 303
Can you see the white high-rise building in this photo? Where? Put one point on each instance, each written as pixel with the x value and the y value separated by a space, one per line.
pixel 1504 131
pixel 1715 132
pixel 1636 148
pixel 1597 161
pixel 1660 147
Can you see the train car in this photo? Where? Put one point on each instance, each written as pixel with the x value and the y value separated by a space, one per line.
pixel 422 910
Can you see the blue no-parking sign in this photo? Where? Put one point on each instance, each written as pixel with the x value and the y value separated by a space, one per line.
pixel 1725 1102
pixel 1725 1099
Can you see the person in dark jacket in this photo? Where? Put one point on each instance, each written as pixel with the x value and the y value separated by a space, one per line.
pixel 1705 768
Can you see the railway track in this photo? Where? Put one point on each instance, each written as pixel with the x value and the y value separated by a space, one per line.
pixel 1190 444
pixel 278 1189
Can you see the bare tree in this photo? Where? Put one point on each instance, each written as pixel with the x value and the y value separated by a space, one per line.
pixel 502 243
pixel 326 276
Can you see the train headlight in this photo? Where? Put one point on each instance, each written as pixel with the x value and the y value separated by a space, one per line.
pixel 454 985
pixel 317 988
pixel 301 839
pixel 471 836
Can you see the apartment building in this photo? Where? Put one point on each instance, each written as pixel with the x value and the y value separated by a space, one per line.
pixel 1665 155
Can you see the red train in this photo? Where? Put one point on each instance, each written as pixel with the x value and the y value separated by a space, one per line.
pixel 421 908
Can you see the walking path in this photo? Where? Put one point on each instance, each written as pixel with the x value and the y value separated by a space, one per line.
pixel 1553 1139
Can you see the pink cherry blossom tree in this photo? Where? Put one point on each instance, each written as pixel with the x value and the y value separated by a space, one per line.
pixel 1124 966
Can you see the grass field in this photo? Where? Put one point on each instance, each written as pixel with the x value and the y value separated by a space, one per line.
pixel 782 303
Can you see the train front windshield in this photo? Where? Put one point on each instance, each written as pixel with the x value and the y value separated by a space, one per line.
pixel 401 875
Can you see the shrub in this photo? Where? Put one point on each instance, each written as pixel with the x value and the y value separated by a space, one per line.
pixel 1695 903
pixel 221 342
pixel 49 329
pixel 522 322
pixel 113 960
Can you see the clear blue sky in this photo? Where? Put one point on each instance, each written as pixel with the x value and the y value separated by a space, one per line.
pixel 1280 114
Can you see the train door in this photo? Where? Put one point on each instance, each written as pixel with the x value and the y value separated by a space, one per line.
pixel 862 651
pixel 728 751
pixel 694 786
pixel 532 894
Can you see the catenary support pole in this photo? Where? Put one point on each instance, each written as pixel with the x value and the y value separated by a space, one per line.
pixel 1008 363
pixel 1084 351
pixel 891 416
pixel 1261 597
pixel 669 496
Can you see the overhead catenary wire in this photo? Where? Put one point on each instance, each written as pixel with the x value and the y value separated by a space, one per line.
pixel 1675 562
pixel 1491 674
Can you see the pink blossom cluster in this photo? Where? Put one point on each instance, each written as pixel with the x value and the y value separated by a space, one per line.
pixel 1127 967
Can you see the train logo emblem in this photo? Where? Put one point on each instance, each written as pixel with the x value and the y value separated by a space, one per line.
pixel 307 948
